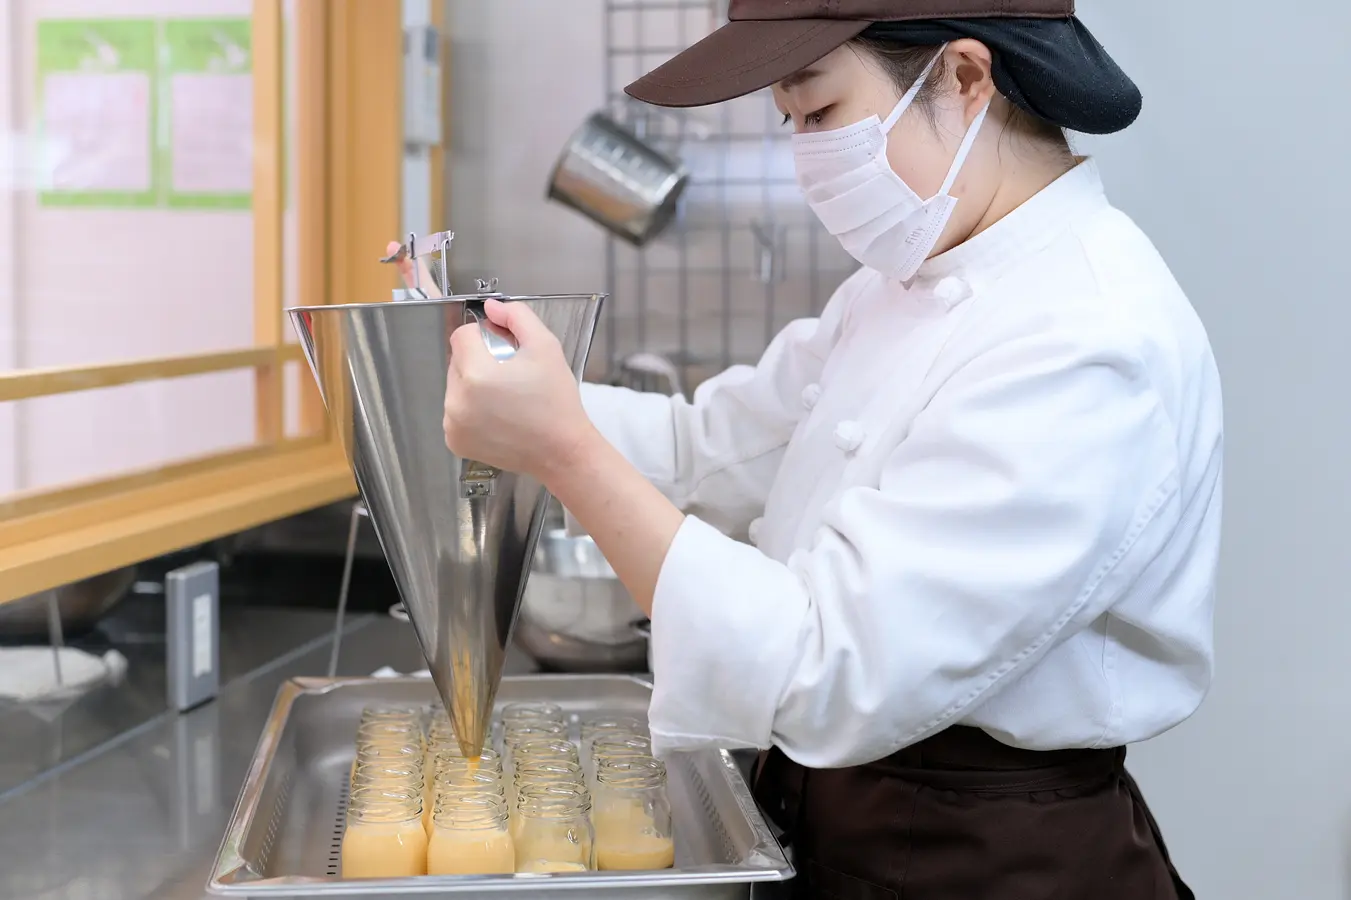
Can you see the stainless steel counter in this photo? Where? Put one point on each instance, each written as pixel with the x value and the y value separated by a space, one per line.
pixel 142 817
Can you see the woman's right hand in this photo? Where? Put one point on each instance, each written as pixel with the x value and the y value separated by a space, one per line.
pixel 406 271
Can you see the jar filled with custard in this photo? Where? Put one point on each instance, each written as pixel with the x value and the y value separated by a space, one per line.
pixel 384 837
pixel 455 780
pixel 470 836
pixel 632 815
pixel 553 829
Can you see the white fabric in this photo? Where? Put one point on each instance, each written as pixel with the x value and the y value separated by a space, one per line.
pixel 850 185
pixel 1025 539
pixel 31 674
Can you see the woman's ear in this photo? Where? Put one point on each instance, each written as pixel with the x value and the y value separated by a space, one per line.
pixel 972 65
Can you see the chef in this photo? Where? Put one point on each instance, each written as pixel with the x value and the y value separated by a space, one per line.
pixel 946 550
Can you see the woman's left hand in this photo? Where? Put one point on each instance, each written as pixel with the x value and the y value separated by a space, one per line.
pixel 523 414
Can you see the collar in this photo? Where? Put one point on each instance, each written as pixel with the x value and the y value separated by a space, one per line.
pixel 1023 232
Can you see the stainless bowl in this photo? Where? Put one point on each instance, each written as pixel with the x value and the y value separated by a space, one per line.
pixel 576 616
pixel 82 604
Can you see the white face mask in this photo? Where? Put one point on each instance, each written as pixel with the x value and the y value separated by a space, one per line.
pixel 851 187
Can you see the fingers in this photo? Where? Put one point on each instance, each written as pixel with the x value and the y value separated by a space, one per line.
pixel 521 321
pixel 406 272
pixel 468 349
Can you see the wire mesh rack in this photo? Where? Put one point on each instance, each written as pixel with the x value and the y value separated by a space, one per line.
pixel 745 255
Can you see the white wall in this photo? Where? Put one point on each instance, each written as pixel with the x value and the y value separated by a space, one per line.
pixel 524 75
pixel 1238 170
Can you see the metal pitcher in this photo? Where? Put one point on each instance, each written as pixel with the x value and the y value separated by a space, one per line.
pixel 617 180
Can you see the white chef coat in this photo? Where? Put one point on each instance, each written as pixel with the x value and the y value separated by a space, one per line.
pixel 991 498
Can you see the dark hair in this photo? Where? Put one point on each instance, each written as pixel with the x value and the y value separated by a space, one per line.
pixel 904 63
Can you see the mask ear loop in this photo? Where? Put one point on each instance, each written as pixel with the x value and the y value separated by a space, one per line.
pixel 964 150
pixel 904 103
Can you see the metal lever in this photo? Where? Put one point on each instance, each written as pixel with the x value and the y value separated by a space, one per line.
pixel 477 479
pixel 416 249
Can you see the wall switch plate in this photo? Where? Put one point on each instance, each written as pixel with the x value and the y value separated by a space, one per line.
pixel 192 634
pixel 422 86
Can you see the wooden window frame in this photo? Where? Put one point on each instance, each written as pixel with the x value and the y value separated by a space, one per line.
pixel 349 147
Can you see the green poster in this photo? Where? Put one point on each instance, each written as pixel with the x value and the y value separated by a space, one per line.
pixel 205 145
pixel 96 109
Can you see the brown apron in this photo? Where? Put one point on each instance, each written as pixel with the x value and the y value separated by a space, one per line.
pixel 961 816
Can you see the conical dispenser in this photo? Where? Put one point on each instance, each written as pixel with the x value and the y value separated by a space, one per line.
pixel 459 535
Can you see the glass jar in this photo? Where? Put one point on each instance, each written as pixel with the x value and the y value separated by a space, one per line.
pixel 614 724
pixel 387 774
pixel 395 754
pixel 544 771
pixel 610 745
pixel 632 815
pixel 389 732
pixel 490 760
pixel 384 837
pixel 470 837
pixel 553 829
pixel 391 712
pixel 450 781
pixel 547 748
pixel 516 712
pixel 518 732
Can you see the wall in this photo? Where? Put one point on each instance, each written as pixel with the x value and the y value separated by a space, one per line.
pixel 1238 171
pixel 509 122
pixel 8 311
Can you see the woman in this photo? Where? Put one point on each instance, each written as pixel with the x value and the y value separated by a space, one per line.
pixel 981 491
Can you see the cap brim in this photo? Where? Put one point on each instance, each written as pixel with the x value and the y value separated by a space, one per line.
pixel 740 58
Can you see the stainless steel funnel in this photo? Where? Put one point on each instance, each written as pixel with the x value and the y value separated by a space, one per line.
pixel 459 535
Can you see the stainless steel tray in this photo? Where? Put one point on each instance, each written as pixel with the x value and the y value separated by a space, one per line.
pixel 285 833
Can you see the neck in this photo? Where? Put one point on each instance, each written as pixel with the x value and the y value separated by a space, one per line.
pixel 1022 177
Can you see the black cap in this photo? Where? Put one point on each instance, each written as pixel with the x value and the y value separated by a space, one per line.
pixel 1053 68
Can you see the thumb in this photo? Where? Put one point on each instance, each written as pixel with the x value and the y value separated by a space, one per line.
pixel 520 320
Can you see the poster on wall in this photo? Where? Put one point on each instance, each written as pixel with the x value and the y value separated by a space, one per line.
pixel 206 150
pixel 96 104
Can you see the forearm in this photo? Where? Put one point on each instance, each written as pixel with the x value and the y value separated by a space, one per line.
pixel 630 520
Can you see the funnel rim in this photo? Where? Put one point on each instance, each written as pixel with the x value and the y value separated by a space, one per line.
pixel 461 298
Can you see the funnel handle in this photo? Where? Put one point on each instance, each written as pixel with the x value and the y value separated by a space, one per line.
pixel 500 342
pixel 476 478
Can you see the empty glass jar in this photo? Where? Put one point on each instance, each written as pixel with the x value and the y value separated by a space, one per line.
pixel 516 712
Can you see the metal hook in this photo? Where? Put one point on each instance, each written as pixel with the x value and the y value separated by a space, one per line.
pixel 767 243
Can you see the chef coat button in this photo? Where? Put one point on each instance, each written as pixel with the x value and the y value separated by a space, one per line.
pixel 849 436
pixel 952 291
pixel 810 394
pixel 754 531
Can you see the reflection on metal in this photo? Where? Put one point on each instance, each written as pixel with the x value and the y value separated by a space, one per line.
pixel 459 536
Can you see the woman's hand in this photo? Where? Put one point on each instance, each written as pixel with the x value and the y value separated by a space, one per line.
pixel 522 415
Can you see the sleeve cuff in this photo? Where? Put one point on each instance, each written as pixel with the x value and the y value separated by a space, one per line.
pixel 726 632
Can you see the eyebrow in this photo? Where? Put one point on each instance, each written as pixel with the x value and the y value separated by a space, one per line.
pixel 799 77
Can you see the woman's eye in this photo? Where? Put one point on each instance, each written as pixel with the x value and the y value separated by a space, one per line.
pixel 811 120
